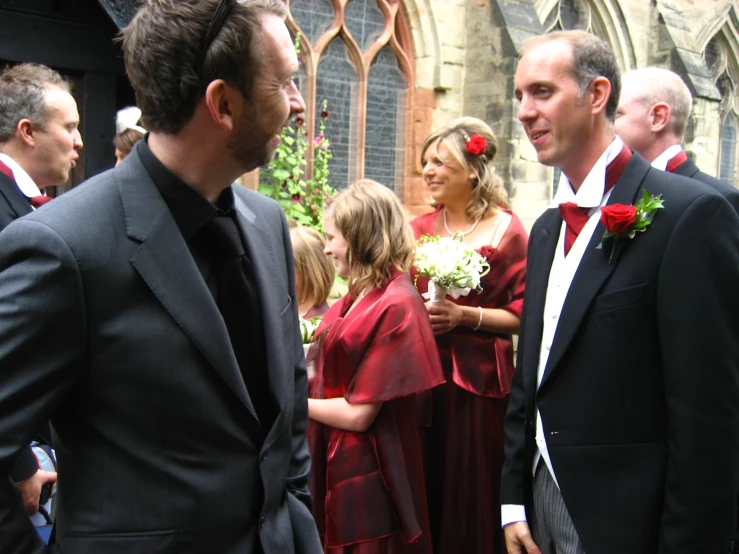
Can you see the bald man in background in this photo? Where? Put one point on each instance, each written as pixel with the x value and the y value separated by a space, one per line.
pixel 651 118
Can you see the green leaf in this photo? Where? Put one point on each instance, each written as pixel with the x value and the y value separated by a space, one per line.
pixel 280 174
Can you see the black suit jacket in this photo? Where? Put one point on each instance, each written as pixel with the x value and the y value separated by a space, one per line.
pixel 689 169
pixel 14 204
pixel 640 396
pixel 112 333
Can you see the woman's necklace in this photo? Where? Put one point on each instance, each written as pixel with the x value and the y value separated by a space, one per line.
pixel 460 232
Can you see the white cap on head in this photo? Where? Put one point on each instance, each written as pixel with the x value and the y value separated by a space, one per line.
pixel 128 118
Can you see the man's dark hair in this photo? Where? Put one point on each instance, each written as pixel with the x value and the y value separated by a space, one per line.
pixel 591 57
pixel 23 96
pixel 161 48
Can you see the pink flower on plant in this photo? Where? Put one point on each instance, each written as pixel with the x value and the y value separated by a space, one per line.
pixel 318 140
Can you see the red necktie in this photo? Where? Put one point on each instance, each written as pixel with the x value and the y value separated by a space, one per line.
pixel 38 201
pixel 5 169
pixel 676 162
pixel 576 217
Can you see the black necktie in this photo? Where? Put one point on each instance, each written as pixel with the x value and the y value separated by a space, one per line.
pixel 238 302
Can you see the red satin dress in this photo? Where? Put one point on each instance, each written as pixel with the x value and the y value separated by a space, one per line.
pixel 368 488
pixel 461 422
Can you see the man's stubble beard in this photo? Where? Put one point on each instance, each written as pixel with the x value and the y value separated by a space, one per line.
pixel 250 145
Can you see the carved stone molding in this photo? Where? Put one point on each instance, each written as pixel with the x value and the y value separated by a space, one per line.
pixel 120 11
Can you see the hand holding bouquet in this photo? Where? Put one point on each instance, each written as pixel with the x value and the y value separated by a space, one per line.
pixel 452 267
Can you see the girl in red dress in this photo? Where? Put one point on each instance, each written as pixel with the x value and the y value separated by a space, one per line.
pixel 462 421
pixel 375 350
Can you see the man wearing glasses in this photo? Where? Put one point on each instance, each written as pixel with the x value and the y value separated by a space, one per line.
pixel 151 314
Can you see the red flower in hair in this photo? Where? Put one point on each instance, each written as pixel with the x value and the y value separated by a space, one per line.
pixel 476 145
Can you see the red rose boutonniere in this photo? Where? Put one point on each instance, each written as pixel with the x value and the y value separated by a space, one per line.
pixel 622 220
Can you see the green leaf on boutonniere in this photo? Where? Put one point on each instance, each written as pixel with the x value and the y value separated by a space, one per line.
pixel 616 218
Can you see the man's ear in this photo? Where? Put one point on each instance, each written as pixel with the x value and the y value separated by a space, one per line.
pixel 600 88
pixel 219 101
pixel 26 132
pixel 659 114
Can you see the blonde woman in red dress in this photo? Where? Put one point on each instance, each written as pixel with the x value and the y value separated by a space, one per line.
pixel 376 350
pixel 462 421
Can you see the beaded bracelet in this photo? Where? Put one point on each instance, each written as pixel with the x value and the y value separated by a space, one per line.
pixel 479 321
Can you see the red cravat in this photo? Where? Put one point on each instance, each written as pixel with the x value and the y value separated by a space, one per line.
pixel 5 169
pixel 576 217
pixel 38 201
pixel 676 162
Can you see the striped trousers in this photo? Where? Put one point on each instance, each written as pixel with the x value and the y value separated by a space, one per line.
pixel 551 526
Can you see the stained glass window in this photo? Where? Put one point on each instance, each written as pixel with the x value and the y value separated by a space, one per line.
pixel 365 21
pixel 337 84
pixel 386 115
pixel 313 16
pixel 728 150
pixel 368 98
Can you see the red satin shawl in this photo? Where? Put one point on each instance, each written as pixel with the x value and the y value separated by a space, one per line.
pixel 482 362
pixel 368 486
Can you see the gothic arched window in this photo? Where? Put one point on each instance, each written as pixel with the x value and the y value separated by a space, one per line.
pixel 725 75
pixel 357 56
pixel 727 161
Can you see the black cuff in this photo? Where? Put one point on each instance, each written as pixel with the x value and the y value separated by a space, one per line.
pixel 25 465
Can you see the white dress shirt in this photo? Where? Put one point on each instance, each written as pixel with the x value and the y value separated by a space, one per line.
pixel 660 162
pixel 590 195
pixel 22 179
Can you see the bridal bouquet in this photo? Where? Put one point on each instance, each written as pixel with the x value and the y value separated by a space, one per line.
pixel 452 267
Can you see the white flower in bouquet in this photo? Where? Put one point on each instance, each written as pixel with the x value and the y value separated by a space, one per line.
pixel 452 267
pixel 308 328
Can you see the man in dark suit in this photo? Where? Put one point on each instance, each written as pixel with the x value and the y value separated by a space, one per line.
pixel 651 118
pixel 39 141
pixel 622 432
pixel 151 312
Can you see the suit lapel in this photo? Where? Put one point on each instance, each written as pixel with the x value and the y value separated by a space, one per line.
pixel 594 269
pixel 541 256
pixel 13 195
pixel 262 254
pixel 166 265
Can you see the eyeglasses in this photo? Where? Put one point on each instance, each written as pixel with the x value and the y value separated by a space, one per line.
pixel 214 27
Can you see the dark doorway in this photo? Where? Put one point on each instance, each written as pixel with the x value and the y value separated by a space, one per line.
pixel 77 38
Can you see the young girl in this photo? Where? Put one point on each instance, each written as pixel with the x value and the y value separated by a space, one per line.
pixel 377 351
pixel 314 274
